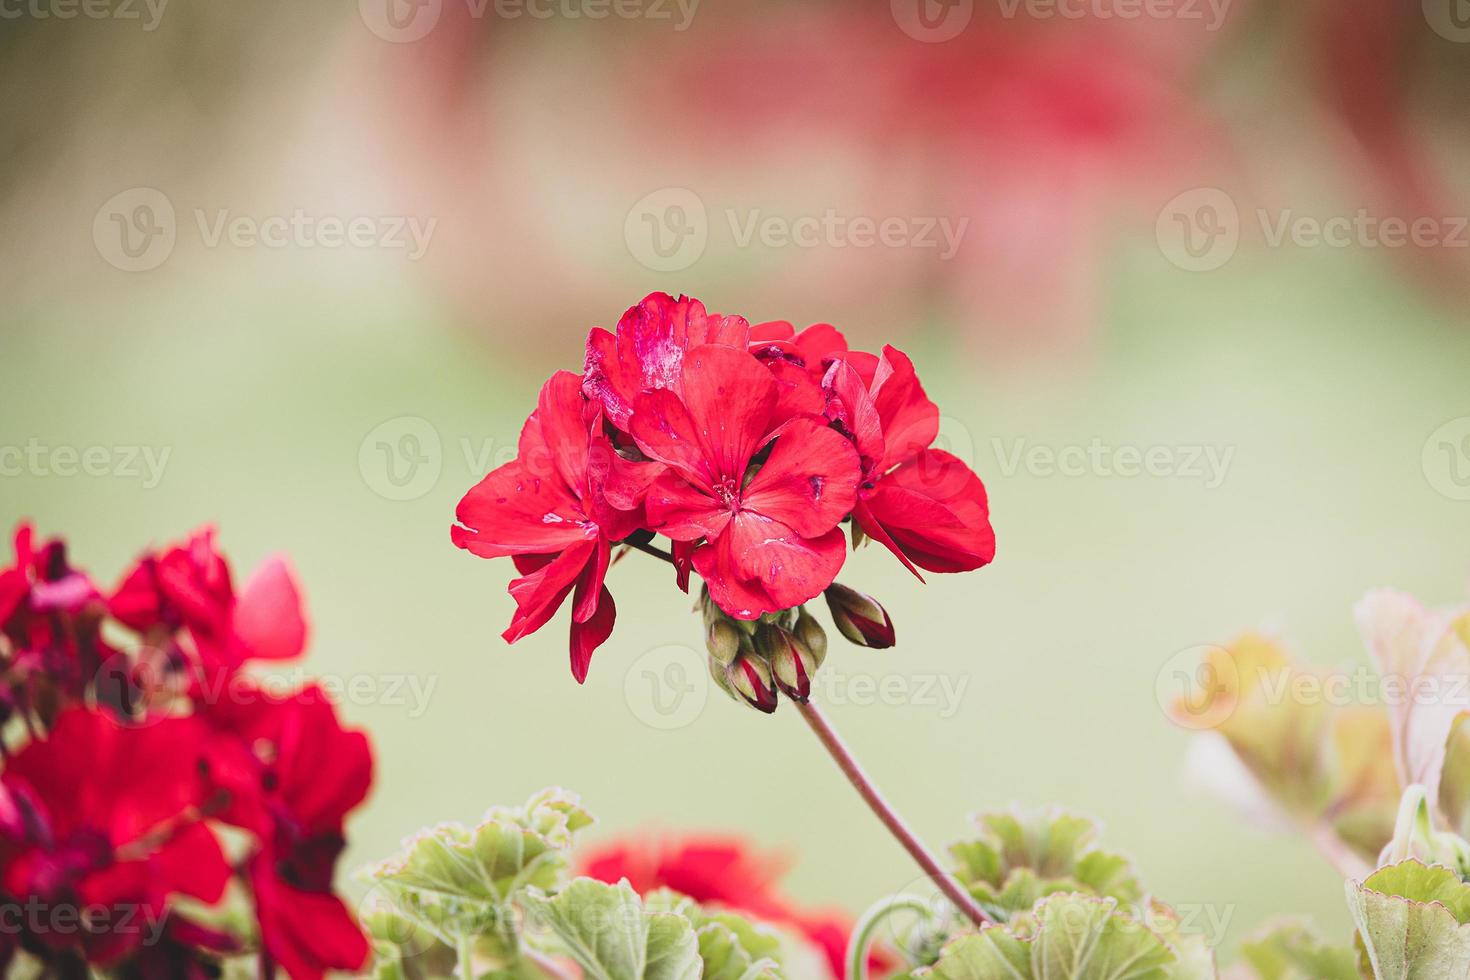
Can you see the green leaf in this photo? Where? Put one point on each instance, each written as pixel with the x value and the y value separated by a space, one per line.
pixel 1023 856
pixel 1292 951
pixel 1412 919
pixel 607 931
pixel 1077 937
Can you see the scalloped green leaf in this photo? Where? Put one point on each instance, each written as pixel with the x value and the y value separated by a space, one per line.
pixel 1411 919
pixel 1021 857
pixel 612 937
pixel 1076 937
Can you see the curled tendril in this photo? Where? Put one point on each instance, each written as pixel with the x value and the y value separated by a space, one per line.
pixel 862 933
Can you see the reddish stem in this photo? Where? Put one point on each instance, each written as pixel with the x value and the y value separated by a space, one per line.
pixel 840 754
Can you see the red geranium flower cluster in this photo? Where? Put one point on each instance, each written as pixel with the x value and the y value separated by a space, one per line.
pixel 144 739
pixel 747 446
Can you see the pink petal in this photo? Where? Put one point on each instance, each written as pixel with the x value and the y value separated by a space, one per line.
pixel 270 617
pixel 851 408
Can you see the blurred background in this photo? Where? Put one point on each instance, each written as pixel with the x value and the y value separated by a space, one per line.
pixel 1188 279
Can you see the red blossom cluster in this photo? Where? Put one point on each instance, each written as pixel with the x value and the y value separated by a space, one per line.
pixel 747 446
pixel 151 768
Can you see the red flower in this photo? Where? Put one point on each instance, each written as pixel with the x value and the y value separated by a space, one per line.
pixel 101 816
pixel 189 587
pixel 720 871
pixel 293 773
pixel 925 505
pixel 772 536
pixel 557 508
pixel 653 338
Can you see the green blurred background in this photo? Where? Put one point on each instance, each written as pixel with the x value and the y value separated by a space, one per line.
pixel 270 376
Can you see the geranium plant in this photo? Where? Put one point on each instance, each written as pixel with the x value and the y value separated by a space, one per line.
pixel 747 447
pixel 162 814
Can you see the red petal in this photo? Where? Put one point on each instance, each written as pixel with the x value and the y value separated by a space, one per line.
pixel 554 440
pixel 809 482
pixel 512 512
pixel 682 511
pixel 539 594
pixel 771 330
pixel 269 618
pixel 934 509
pixel 759 565
pixel 665 430
pixel 307 933
pixel 589 583
pixel 910 420
pixel 589 635
pixel 851 406
pixel 730 397
pixel 605 379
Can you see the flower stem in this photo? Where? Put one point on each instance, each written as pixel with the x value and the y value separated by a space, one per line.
pixel 862 933
pixel 467 957
pixel 840 754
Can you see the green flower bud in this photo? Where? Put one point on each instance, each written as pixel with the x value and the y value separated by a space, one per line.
pixel 723 641
pixel 810 632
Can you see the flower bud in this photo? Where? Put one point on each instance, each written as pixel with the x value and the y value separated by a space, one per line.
pixel 859 617
pixel 723 641
pixel 810 632
pixel 750 676
pixel 792 664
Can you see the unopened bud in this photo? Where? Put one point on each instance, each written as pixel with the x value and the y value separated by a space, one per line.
pixel 723 641
pixel 750 676
pixel 859 617
pixel 810 632
pixel 792 664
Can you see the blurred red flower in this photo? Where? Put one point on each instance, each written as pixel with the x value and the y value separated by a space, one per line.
pixel 720 871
